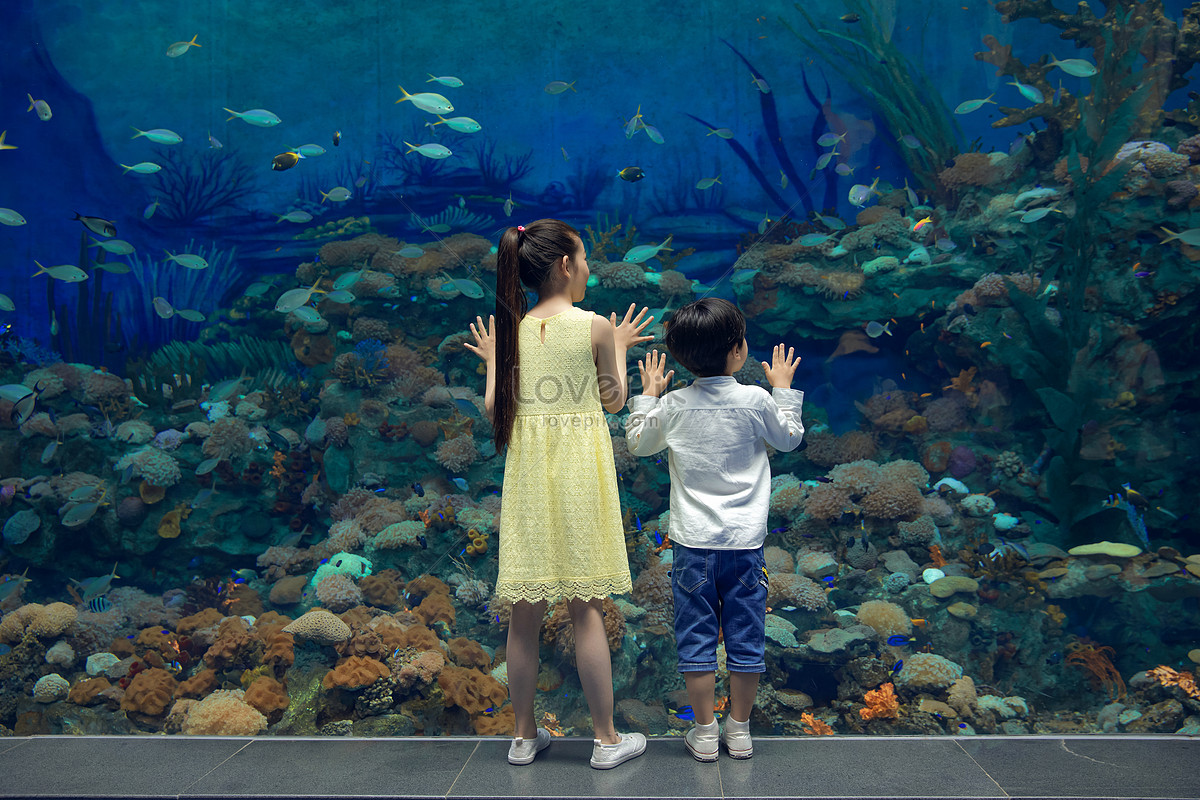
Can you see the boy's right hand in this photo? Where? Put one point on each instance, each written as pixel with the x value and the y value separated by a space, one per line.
pixel 783 369
pixel 653 379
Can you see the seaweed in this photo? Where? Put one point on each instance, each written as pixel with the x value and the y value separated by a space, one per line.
pixel 500 176
pixel 586 181
pixel 897 90
pixel 197 185
pixel 88 332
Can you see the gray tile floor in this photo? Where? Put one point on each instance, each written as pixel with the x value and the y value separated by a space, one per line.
pixel 1092 767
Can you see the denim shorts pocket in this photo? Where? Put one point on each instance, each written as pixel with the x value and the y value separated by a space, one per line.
pixel 689 573
pixel 753 573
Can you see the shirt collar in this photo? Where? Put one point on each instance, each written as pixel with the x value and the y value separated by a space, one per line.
pixel 714 380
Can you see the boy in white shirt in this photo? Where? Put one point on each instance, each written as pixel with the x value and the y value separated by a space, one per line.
pixel 716 431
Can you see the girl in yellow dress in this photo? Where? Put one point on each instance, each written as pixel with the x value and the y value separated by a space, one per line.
pixel 552 371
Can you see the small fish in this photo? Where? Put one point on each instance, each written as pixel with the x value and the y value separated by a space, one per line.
pixel 68 273
pixel 187 260
pixel 446 80
pixel 278 441
pixel 142 168
pixel 420 492
pixel 460 483
pixel 707 183
pixel 258 117
pixel 945 244
pixel 683 712
pixel 10 217
pixel 654 134
pixel 98 605
pixel 830 139
pixel 910 141
pixel 1057 97
pixel 921 223
pixel 201 498
pixel 783 181
pixel 337 138
pixel 48 452
pixel 460 124
pixel 213 142
pixel 833 223
pixel 875 330
pixel 207 465
pixel 645 252
pixel 466 407
pixel 53 324
pixel 41 107
pixel 159 136
pixel 257 289
pixel 148 212
pixel 845 170
pixel 760 84
pixel 79 514
pixel 429 102
pixel 825 158
pixel 432 150
pixel 564 154
pixel 849 18
pixel 346 280
pixel 899 666
pixel 900 640
pixel 967 106
pixel 298 216
pixel 410 251
pixel 814 239
pixel 1037 214
pixel 9 586
pixel 162 307
pixel 95 587
pixel 309 150
pixel 4 146
pixel 764 223
pixel 861 193
pixel 918 622
pixel 823 479
pixel 558 87
pixel 1079 67
pixel 509 205
pixel 179 48
pixel 285 161
pixel 469 288
pixel 6 303
pixel 723 133
pixel 97 225
pixel 118 247
pixel 631 174
pixel 308 314
pixel 338 194
pixel 913 200
pixel 1030 93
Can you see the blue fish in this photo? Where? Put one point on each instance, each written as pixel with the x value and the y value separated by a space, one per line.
pixel 424 544
pixel 637 521
pixel 899 640
pixel 417 488
pixel 899 666
pixel 685 712
pixel 460 483
pixel 466 406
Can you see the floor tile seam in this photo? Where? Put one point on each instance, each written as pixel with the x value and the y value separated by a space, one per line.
pixel 217 766
pixel 980 767
pixel 462 769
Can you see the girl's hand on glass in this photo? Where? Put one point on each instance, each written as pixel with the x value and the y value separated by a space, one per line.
pixel 485 339
pixel 627 333
pixel 783 367
pixel 653 379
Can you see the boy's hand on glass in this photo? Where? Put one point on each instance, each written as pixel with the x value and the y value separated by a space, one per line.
pixel 651 370
pixel 485 339
pixel 783 367
pixel 627 333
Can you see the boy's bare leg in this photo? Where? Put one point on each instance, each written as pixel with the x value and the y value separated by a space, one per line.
pixel 524 628
pixel 594 662
pixel 701 688
pixel 743 687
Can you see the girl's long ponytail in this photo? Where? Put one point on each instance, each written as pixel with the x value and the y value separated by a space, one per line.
pixel 511 306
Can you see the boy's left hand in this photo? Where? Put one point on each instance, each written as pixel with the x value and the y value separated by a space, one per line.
pixel 653 379
pixel 783 369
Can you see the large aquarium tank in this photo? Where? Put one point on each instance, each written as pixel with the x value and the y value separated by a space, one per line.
pixel 247 484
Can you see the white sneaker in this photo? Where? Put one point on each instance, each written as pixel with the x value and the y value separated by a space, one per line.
pixel 607 756
pixel 737 738
pixel 523 751
pixel 703 741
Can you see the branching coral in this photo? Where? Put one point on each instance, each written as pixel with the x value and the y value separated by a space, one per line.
pixel 881 704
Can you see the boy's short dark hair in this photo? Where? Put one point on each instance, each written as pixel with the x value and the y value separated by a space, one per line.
pixel 701 334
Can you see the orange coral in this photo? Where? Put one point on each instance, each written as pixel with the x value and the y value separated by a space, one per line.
pixel 881 703
pixel 935 555
pixel 964 381
pixel 268 696
pixel 468 653
pixel 814 726
pixel 436 607
pixel 355 672
pixel 199 684
pixel 1167 677
pixel 1098 662
pixel 149 692
pixel 87 693
pixel 470 689
pixel 169 527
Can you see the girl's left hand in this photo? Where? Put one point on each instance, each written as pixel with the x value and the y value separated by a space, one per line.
pixel 626 334
pixel 485 340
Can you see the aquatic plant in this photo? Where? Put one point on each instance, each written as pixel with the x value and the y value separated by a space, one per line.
pixel 499 176
pixel 186 364
pixel 586 181
pixel 28 351
pixel 1097 662
pixel 603 241
pixel 193 185
pixel 197 289
pixel 456 218
pixel 415 170
pixel 87 330
pixel 895 88
pixel 1139 27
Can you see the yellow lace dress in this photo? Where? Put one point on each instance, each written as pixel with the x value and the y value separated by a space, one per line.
pixel 560 514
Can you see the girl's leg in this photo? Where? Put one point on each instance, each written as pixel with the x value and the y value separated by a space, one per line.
pixel 595 665
pixel 524 628
pixel 743 686
pixel 701 688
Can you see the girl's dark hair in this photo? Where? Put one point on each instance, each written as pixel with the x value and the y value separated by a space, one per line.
pixel 523 257
pixel 701 334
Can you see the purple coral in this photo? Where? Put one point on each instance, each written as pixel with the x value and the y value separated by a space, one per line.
pixel 962 462
pixel 1180 193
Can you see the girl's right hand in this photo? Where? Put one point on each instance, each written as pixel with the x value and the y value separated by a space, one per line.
pixel 485 340
pixel 627 333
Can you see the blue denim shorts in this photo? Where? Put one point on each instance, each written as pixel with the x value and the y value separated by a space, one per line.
pixel 718 590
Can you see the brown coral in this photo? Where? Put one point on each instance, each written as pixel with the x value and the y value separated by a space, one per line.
pixel 840 284
pixel 149 692
pixel 355 672
pixel 468 653
pixel 970 169
pixel 268 696
pixel 470 689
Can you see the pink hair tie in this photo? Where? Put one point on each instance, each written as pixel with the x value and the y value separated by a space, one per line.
pixel 520 229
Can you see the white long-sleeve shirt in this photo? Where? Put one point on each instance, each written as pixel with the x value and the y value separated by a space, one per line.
pixel 716 431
